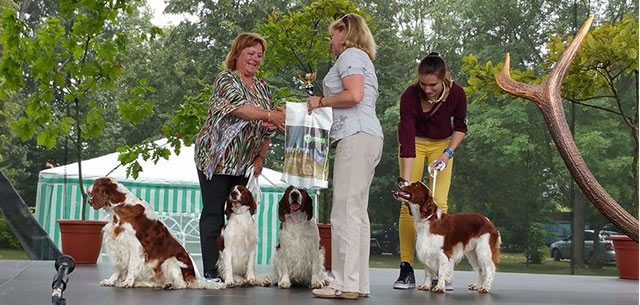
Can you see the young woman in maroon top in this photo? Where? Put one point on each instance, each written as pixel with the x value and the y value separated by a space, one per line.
pixel 432 124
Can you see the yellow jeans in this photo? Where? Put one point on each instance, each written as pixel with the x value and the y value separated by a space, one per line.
pixel 427 151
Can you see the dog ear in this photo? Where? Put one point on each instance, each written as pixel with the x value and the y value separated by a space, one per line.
pixel 228 208
pixel 307 204
pixel 129 211
pixel 429 207
pixel 251 202
pixel 283 204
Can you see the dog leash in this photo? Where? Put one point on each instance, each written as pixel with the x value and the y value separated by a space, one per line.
pixel 433 170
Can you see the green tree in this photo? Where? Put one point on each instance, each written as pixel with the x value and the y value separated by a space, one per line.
pixel 69 58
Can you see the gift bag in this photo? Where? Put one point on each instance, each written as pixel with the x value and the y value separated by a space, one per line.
pixel 306 146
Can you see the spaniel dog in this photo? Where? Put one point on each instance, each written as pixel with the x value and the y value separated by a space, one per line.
pixel 238 240
pixel 443 239
pixel 140 247
pixel 299 258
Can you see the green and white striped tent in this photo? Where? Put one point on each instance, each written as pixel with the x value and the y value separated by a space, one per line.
pixel 170 186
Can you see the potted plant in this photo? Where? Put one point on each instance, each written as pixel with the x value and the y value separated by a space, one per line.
pixel 626 256
pixel 60 69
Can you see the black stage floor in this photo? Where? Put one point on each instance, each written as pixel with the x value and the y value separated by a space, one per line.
pixel 29 282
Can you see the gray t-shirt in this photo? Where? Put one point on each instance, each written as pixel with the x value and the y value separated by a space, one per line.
pixel 362 116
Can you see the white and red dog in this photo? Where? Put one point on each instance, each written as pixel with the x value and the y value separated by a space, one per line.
pixel 238 240
pixel 299 258
pixel 140 247
pixel 443 239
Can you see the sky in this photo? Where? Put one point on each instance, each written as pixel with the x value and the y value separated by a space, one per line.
pixel 162 20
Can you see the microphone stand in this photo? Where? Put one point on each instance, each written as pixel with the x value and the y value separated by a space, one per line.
pixel 64 265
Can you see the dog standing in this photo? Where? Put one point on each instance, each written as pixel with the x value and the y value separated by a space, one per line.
pixel 443 239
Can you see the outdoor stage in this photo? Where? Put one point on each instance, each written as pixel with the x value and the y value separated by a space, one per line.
pixel 29 283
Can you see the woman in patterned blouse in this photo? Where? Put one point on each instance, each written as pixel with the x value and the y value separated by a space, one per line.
pixel 235 136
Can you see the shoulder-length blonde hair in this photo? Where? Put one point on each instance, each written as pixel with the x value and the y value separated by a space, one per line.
pixel 242 41
pixel 358 34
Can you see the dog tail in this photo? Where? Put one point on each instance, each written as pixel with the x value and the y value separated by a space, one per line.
pixel 495 242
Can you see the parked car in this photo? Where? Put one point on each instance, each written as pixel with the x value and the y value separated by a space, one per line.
pixel 562 249
pixel 385 241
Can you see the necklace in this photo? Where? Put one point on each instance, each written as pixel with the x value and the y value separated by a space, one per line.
pixel 441 97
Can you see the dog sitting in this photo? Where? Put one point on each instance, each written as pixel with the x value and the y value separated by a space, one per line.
pixel 140 247
pixel 299 258
pixel 238 240
pixel 443 239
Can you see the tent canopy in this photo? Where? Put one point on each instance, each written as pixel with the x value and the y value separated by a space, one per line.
pixel 177 170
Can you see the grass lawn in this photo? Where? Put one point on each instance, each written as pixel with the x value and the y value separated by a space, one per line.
pixel 509 262
pixel 13 254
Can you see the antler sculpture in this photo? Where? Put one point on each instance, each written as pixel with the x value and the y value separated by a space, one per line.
pixel 547 96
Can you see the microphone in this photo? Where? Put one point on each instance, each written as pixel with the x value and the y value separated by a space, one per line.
pixel 64 265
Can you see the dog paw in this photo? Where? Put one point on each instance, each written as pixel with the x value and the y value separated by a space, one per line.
pixel 284 285
pixel 128 283
pixel 472 287
pixel 266 283
pixel 107 282
pixel 230 284
pixel 438 289
pixel 483 290
pixel 424 287
pixel 167 286
pixel 248 282
pixel 317 284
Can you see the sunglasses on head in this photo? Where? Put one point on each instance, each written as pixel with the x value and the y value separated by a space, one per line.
pixel 345 20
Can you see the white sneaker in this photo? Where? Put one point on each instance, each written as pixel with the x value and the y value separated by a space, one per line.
pixel 448 287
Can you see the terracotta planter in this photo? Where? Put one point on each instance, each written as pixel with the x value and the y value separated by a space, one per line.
pixel 82 239
pixel 626 256
pixel 325 242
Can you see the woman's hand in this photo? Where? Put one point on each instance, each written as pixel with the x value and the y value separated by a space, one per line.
pixel 268 125
pixel 258 163
pixel 313 102
pixel 277 119
pixel 444 157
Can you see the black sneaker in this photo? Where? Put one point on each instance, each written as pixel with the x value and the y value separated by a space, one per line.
pixel 212 276
pixel 406 280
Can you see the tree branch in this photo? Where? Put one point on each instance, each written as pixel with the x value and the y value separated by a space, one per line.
pixel 593 106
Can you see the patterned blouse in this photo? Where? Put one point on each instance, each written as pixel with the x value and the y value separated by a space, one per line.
pixel 227 144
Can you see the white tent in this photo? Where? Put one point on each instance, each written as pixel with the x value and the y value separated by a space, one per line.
pixel 170 186
pixel 178 170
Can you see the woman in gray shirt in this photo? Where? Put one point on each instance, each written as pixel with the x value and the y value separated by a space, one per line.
pixel 351 89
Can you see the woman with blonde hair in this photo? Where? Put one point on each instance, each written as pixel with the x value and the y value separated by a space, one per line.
pixel 351 89
pixel 235 136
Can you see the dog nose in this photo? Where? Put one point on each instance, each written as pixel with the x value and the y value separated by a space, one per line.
pixel 235 194
pixel 295 195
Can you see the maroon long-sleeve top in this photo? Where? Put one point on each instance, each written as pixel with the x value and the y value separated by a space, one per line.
pixel 450 117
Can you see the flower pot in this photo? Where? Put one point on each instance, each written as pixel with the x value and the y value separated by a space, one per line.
pixel 82 239
pixel 626 256
pixel 325 242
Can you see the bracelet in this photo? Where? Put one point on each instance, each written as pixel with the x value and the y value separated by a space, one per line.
pixel 449 152
pixel 320 102
pixel 269 116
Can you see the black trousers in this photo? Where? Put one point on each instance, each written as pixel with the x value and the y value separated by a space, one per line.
pixel 214 194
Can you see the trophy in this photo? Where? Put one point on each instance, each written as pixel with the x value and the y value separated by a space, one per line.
pixel 307 80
